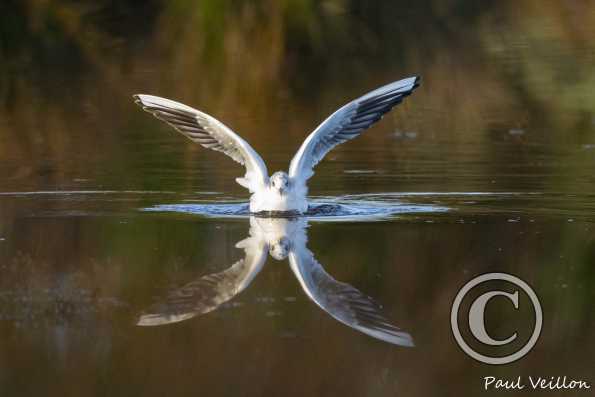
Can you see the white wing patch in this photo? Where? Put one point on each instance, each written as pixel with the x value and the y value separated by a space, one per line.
pixel 209 292
pixel 347 123
pixel 342 301
pixel 209 132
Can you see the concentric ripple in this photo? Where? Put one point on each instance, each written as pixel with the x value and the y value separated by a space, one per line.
pixel 344 208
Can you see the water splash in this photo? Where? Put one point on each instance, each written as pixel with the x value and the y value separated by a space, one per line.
pixel 344 208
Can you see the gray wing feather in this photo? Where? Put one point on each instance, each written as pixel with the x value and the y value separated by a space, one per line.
pixel 209 132
pixel 344 302
pixel 207 293
pixel 347 123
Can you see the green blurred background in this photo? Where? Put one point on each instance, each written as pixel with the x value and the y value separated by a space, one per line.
pixel 492 71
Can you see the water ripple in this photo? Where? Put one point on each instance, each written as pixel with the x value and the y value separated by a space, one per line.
pixel 344 208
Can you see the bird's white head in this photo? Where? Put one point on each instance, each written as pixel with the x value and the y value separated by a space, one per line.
pixel 280 181
pixel 280 249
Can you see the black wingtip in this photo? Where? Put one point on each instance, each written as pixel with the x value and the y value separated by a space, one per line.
pixel 416 82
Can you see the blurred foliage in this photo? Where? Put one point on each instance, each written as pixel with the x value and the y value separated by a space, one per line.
pixel 68 68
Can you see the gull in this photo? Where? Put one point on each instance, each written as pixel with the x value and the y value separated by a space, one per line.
pixel 281 238
pixel 282 192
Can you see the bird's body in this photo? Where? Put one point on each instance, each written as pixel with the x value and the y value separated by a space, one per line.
pixel 281 193
pixel 269 200
pixel 280 197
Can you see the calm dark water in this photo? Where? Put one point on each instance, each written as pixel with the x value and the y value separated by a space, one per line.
pixel 104 211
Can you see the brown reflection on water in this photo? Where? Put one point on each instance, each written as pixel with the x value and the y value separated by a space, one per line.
pixel 506 105
pixel 72 289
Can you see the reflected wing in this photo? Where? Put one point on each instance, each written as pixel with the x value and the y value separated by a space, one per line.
pixel 344 302
pixel 209 292
pixel 347 123
pixel 201 128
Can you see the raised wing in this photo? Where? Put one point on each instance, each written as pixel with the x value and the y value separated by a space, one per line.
pixel 209 292
pixel 201 128
pixel 342 301
pixel 347 123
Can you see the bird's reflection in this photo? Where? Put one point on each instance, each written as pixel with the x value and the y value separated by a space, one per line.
pixel 281 238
